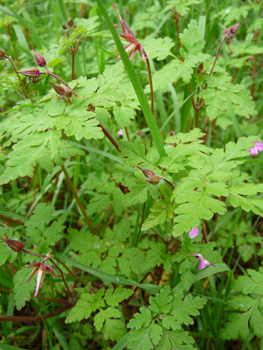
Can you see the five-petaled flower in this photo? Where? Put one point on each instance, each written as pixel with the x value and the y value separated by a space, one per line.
pixel 203 262
pixel 129 36
pixel 194 232
pixel 40 269
pixel 258 147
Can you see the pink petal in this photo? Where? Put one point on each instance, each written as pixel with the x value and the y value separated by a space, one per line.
pixel 194 232
pixel 254 151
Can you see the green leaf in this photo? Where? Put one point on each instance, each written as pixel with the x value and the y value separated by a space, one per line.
pixel 160 304
pixel 114 297
pixel 159 212
pixel 182 310
pixel 22 290
pixel 42 215
pixel 141 320
pixel 181 6
pixel 158 48
pixel 138 193
pixel 87 304
pixel 135 152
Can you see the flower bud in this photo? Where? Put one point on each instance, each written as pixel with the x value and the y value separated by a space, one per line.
pixel 31 72
pixel 40 61
pixel 123 188
pixel 70 22
pixel 147 172
pixel 65 26
pixel 234 28
pixel 68 92
pixel 2 54
pixel 59 89
pixel 154 179
pixel 16 246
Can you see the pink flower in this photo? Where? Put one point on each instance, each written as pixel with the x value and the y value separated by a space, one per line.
pixel 258 147
pixel 203 262
pixel 129 36
pixel 40 269
pixel 194 232
pixel 120 132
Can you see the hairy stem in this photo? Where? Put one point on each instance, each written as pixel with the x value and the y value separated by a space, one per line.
pixel 63 277
pixel 127 134
pixel 62 81
pixel 151 90
pixel 75 195
pixel 35 254
pixel 70 272
pixel 108 135
pixel 36 318
pixel 217 54
pixel 21 82
pixel 72 66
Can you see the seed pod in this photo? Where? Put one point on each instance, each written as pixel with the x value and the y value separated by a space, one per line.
pixel 124 189
pixel 68 92
pixel 31 72
pixel 16 246
pixel 234 28
pixel 40 61
pixel 70 22
pixel 59 89
pixel 147 172
pixel 2 54
pixel 154 180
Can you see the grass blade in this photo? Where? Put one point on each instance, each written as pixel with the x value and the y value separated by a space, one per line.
pixel 136 84
pixel 152 289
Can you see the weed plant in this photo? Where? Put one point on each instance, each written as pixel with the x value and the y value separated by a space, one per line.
pixel 131 175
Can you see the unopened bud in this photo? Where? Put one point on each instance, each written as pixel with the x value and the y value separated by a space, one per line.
pixel 91 108
pixel 234 28
pixel 31 72
pixel 147 172
pixel 40 61
pixel 59 89
pixel 154 180
pixel 68 92
pixel 16 246
pixel 2 54
pixel 226 32
pixel 200 69
pixel 65 26
pixel 70 22
pixel 124 189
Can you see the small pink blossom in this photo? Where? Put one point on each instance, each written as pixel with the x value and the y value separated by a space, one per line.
pixel 257 148
pixel 120 132
pixel 203 262
pixel 40 269
pixel 194 232
pixel 129 36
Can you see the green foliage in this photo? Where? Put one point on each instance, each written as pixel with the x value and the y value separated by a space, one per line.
pixel 119 234
pixel 107 319
pixel 161 323
pixel 249 302
pixel 23 290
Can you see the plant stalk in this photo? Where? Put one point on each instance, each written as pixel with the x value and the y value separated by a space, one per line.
pixel 75 195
